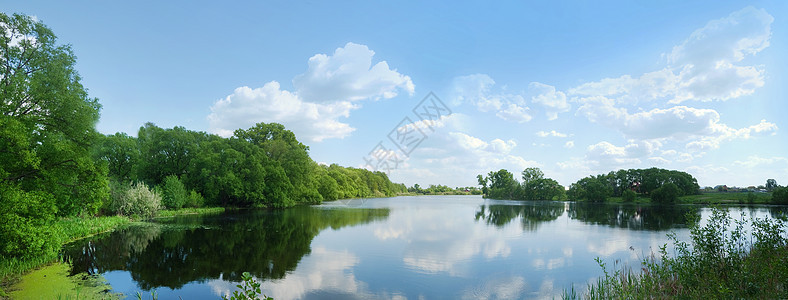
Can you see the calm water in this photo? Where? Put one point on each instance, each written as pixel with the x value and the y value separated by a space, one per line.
pixel 429 247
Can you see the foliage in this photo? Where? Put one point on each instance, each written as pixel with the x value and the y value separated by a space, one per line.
pixel 771 184
pixel 134 200
pixel 24 222
pixel 535 186
pixel 641 181
pixel 194 200
pixel 720 261
pixel 173 193
pixel 47 119
pixel 592 188
pixel 780 195
pixel 250 289
pixel 121 154
pixel 629 195
pixel 667 193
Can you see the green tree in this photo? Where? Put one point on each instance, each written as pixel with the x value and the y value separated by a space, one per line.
pixel 771 184
pixel 530 174
pixel 48 120
pixel 173 193
pixel 121 154
pixel 667 193
pixel 780 195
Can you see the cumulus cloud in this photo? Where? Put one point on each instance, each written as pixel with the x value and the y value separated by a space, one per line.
pixel 515 113
pixel 323 95
pixel 552 101
pixel 477 90
pixel 702 68
pixel 677 122
pixel 247 106
pixel 348 75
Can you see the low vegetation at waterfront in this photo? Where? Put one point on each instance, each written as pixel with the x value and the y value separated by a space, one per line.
pixel 721 261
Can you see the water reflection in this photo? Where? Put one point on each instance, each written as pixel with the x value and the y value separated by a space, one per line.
pixel 635 217
pixel 268 244
pixel 432 247
pixel 530 213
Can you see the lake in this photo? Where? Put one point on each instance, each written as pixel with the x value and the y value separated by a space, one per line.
pixel 421 247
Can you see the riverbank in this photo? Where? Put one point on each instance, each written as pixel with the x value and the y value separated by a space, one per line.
pixel 13 271
pixel 721 261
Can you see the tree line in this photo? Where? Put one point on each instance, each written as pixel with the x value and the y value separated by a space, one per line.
pixel 660 185
pixel 261 166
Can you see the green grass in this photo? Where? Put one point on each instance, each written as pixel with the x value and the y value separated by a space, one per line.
pixel 727 198
pixel 721 261
pixel 190 211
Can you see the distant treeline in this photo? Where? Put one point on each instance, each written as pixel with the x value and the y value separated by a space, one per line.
pixel 444 190
pixel 261 166
pixel 659 184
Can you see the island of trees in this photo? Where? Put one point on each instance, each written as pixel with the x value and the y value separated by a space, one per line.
pixel 655 184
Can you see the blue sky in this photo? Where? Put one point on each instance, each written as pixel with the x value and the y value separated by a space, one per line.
pixel 575 88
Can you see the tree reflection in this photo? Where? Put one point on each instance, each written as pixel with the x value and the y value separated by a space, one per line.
pixel 530 214
pixel 652 217
pixel 268 244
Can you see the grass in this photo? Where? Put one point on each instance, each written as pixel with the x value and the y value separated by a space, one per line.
pixel 722 261
pixel 190 211
pixel 727 198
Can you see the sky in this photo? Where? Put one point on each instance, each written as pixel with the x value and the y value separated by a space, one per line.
pixel 438 93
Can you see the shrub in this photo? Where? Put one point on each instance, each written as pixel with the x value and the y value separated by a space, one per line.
pixel 667 193
pixel 629 195
pixel 25 223
pixel 173 192
pixel 780 195
pixel 194 199
pixel 134 200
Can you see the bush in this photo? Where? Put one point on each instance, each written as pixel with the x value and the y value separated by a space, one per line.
pixel 134 200
pixel 780 195
pixel 194 199
pixel 721 261
pixel 667 193
pixel 25 222
pixel 173 192
pixel 629 195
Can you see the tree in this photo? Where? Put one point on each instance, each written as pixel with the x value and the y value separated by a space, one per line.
pixel 121 154
pixel 667 193
pixel 48 120
pixel 780 195
pixel 771 184
pixel 530 174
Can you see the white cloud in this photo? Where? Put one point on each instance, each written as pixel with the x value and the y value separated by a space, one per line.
pixel 476 89
pixel 702 68
pixel 324 94
pixel 553 133
pixel 515 113
pixel 678 122
pixel 503 147
pixel 246 107
pixel 757 161
pixel 569 145
pixel 348 75
pixel 552 101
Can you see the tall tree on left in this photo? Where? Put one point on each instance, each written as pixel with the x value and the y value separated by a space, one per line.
pixel 47 121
